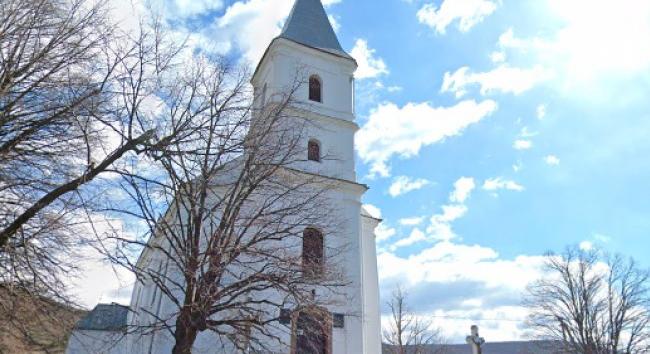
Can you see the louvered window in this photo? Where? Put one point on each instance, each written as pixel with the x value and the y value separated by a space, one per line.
pixel 315 89
pixel 313 150
pixel 312 252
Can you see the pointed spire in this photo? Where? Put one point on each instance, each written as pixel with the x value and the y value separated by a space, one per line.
pixel 309 25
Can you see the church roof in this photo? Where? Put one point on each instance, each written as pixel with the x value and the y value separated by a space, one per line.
pixel 537 347
pixel 104 317
pixel 366 213
pixel 309 25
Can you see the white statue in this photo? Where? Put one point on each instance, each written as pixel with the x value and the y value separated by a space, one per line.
pixel 475 341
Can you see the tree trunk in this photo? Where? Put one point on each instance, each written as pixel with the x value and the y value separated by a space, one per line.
pixel 185 333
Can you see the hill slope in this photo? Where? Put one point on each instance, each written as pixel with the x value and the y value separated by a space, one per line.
pixel 34 325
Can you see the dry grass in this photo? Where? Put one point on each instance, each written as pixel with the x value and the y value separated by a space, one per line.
pixel 34 326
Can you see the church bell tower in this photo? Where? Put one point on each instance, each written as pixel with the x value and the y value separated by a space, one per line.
pixel 309 51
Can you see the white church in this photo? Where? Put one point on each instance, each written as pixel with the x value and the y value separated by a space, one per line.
pixel 307 44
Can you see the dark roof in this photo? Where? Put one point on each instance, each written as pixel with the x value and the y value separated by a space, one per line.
pixel 309 25
pixel 533 347
pixel 104 317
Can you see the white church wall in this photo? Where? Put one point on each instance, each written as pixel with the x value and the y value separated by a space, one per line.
pixel 97 342
pixel 287 62
pixel 345 237
pixel 350 245
pixel 372 308
pixel 331 122
pixel 336 139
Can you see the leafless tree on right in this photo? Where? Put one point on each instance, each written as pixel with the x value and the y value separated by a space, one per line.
pixel 592 303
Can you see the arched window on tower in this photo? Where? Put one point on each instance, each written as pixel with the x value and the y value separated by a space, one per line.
pixel 313 253
pixel 315 89
pixel 313 151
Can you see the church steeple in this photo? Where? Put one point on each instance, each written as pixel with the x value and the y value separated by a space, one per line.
pixel 309 25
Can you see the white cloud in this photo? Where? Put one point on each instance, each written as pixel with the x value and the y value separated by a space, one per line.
pixel 597 241
pixel 498 57
pixel 245 25
pixel 127 14
pixel 336 25
pixel 601 37
pixel 525 133
pixel 462 275
pixel 586 245
pixel 468 13
pixel 552 160
pixel 440 227
pixel 414 221
pixel 189 8
pixel 403 131
pixel 415 237
pixel 602 238
pixel 373 210
pixel 593 41
pixel 403 184
pixel 380 86
pixel 99 280
pixel 541 112
pixel 521 144
pixel 463 281
pixel 448 262
pixel 369 65
pixel 455 279
pixel 503 79
pixel 508 40
pixel 495 184
pixel 462 189
pixel 251 25
pixel 383 232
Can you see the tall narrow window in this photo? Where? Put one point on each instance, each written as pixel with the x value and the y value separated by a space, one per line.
pixel 313 333
pixel 313 252
pixel 264 96
pixel 352 87
pixel 313 150
pixel 315 89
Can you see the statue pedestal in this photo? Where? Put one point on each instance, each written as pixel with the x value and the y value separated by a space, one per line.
pixel 475 341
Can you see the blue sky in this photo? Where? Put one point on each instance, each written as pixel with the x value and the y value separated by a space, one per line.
pixel 492 131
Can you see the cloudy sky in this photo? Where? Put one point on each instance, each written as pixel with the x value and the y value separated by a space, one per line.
pixel 491 132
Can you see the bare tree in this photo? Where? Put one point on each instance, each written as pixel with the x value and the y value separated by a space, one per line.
pixel 408 333
pixel 73 105
pixel 235 232
pixel 592 303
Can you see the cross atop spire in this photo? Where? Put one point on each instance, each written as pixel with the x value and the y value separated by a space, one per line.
pixel 308 25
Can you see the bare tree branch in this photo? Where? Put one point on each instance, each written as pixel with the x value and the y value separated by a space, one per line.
pixel 77 100
pixel 592 303
pixel 408 333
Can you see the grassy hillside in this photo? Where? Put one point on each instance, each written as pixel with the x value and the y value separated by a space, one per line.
pixel 34 325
